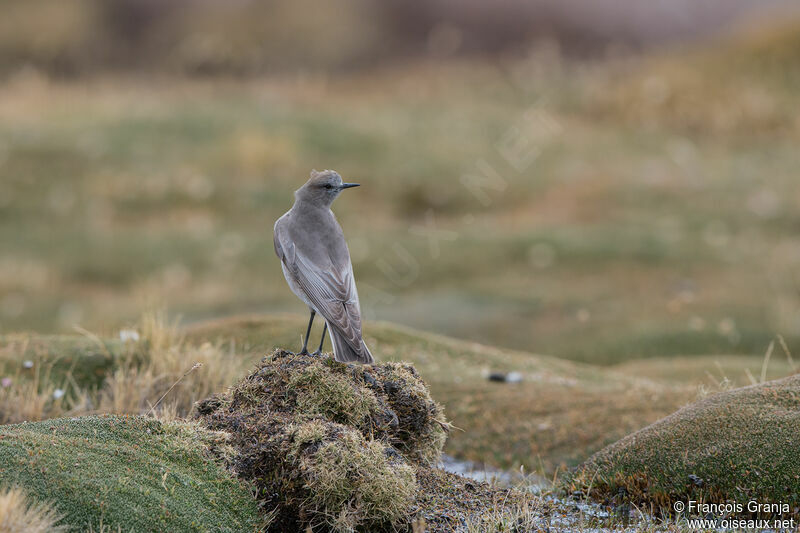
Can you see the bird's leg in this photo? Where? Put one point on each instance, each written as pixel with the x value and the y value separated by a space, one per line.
pixel 304 351
pixel 322 340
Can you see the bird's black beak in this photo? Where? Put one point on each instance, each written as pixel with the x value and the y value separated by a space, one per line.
pixel 348 185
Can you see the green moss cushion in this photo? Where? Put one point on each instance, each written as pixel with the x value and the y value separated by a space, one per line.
pixel 130 472
pixel 738 445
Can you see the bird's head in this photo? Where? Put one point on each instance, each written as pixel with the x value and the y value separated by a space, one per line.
pixel 322 188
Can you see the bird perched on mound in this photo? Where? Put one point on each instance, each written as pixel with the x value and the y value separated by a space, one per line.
pixel 316 264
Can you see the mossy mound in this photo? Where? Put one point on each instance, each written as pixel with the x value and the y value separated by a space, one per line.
pixel 739 445
pixel 135 473
pixel 330 445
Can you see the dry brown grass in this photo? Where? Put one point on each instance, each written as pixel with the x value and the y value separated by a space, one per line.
pixel 18 514
pixel 160 373
pixel 165 364
pixel 514 518
pixel 30 398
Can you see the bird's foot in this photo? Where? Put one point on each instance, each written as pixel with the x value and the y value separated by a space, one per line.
pixel 304 351
pixel 318 353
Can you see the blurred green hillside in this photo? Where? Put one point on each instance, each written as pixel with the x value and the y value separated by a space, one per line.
pixel 635 207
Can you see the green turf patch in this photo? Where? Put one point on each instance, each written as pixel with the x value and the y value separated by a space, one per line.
pixel 130 472
pixel 738 446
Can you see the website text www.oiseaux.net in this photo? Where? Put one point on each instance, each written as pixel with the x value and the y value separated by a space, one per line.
pixel 728 519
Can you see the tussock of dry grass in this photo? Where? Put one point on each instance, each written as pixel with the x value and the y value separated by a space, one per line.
pixel 518 518
pixel 18 514
pixel 162 359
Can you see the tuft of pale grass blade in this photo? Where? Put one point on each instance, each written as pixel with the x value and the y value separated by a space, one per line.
pixel 765 364
pixel 194 367
pixel 18 514
pixel 788 353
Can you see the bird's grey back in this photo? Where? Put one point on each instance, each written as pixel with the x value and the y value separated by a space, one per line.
pixel 311 244
pixel 317 235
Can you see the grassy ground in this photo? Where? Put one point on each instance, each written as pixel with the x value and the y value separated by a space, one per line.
pixel 556 417
pixel 551 420
pixel 320 455
pixel 646 207
pixel 559 415
pixel 737 446
pixel 127 472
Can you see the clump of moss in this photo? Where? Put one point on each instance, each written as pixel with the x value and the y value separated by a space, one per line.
pixel 739 445
pixel 328 444
pixel 351 480
pixel 421 426
pixel 332 395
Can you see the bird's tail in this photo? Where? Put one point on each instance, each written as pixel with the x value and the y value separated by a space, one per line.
pixel 345 353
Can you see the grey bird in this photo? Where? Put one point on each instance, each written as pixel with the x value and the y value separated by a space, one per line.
pixel 317 267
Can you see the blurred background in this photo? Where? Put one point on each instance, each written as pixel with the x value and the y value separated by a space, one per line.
pixel 599 180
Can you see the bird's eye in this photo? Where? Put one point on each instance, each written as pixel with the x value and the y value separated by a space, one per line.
pixel 329 186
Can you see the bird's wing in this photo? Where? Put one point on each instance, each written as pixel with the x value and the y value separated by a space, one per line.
pixel 280 251
pixel 332 290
